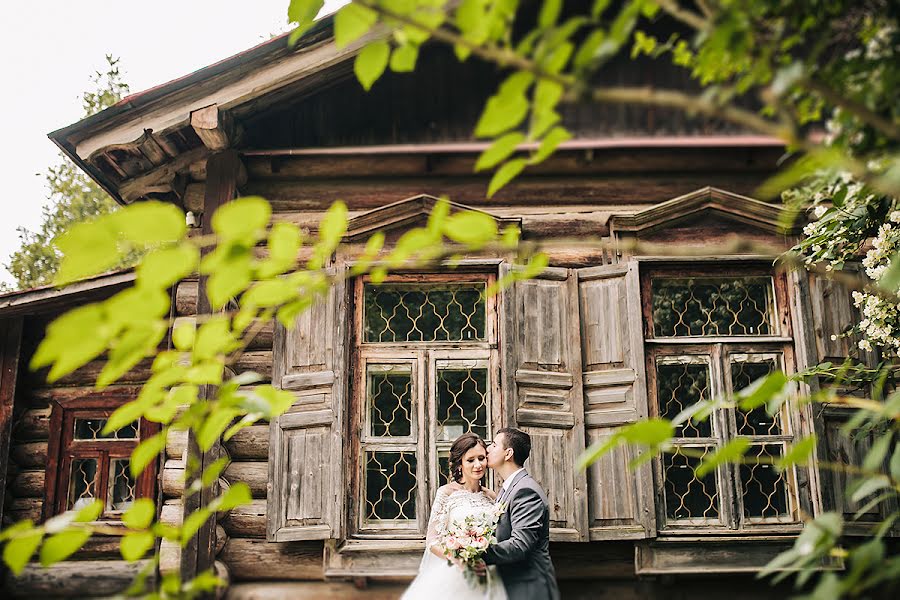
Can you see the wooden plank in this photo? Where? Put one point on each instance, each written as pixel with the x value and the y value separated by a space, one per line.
pixel 212 126
pixel 10 341
pixel 249 443
pixel 259 560
pixel 253 473
pixel 247 521
pixel 73 578
pixel 160 179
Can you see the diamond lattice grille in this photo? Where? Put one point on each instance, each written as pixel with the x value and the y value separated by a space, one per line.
pixel 687 496
pixel 92 430
pixel 756 421
pixel 390 400
pixel 122 486
pixel 390 486
pixel 462 402
pixel 416 313
pixel 712 306
pixel 764 486
pixel 82 482
pixel 681 385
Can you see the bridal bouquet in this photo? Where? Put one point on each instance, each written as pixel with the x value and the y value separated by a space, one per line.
pixel 467 540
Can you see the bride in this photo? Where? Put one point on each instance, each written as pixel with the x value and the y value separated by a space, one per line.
pixel 461 497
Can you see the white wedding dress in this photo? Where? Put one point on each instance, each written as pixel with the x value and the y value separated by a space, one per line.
pixel 436 578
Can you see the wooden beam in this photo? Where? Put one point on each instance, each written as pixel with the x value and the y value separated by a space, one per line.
pixel 223 174
pixel 10 342
pixel 162 179
pixel 212 126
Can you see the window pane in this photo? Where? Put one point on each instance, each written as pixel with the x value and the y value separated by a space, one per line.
pixel 712 306
pixel 688 497
pixel 680 385
pixel 418 313
pixel 90 430
pixel 82 482
pixel 764 489
pixel 121 485
pixel 462 402
pixel 390 485
pixel 390 400
pixel 756 421
pixel 443 467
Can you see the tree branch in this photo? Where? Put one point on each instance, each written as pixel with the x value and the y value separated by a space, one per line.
pixel 858 109
pixel 687 17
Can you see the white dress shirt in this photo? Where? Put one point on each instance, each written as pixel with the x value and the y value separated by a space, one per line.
pixel 508 481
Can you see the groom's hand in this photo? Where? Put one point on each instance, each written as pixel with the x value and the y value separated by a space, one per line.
pixel 480 568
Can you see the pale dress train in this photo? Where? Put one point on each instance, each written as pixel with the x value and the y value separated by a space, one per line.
pixel 437 579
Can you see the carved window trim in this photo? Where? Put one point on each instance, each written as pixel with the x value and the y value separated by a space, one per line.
pixel 424 359
pixel 63 449
pixel 720 353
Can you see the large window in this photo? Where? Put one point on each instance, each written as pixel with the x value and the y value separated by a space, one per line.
pixel 84 464
pixel 424 365
pixel 710 334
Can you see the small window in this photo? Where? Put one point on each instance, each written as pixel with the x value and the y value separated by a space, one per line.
pixel 707 337
pixel 85 464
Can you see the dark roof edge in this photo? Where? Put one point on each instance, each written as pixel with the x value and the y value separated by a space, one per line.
pixel 28 301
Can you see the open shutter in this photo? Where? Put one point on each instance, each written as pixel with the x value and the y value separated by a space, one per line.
pixel 824 308
pixel 541 383
pixel 621 500
pixel 306 488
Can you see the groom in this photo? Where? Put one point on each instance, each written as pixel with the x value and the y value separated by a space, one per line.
pixel 522 553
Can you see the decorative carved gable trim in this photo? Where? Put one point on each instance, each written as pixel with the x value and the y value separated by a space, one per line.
pixel 405 213
pixel 708 200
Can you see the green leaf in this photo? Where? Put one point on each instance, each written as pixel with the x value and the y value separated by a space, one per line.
pixel 890 280
pixel 87 249
pixel 124 415
pixel 212 472
pixel 72 340
pixel 149 223
pixel 403 58
pixel 62 545
pixel 507 108
pixel 165 267
pixel 268 294
pixel 183 334
pixel 213 426
pixel 207 581
pixel 598 7
pixel 136 544
pixel 352 22
pixel 16 529
pixel 547 95
pixel 874 459
pixel 551 141
pixel 471 228
pixel 19 550
pixel 146 452
pixel 798 453
pixel 505 174
pixel 229 278
pixel 729 453
pixel 90 512
pixel 129 349
pixel 499 151
pixel 192 524
pixel 549 13
pixel 303 13
pixel 140 515
pixel 213 338
pixel 761 391
pixel 243 219
pixel 870 486
pixel 589 48
pixel 371 62
pixel 237 494
pixel 277 401
pixel 285 241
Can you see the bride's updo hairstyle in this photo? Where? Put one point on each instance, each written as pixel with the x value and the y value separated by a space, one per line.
pixel 463 444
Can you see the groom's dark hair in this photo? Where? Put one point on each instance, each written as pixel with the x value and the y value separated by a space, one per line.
pixel 519 441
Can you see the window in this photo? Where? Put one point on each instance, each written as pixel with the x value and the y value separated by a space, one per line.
pixel 424 363
pixel 84 464
pixel 710 334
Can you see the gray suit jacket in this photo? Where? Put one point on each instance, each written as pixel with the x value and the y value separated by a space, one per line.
pixel 522 551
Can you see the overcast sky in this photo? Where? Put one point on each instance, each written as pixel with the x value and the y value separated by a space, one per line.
pixel 50 50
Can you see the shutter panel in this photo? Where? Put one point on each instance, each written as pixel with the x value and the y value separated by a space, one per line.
pixel 542 389
pixel 824 308
pixel 621 500
pixel 306 488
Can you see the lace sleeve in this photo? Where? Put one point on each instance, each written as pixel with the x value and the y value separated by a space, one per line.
pixel 437 523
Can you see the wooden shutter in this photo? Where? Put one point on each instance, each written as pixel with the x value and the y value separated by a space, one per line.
pixel 620 500
pixel 541 386
pixel 824 308
pixel 306 487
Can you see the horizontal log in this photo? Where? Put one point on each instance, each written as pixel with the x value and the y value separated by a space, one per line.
pixel 31 455
pixel 25 508
pixel 186 298
pixel 317 194
pixel 99 546
pixel 249 443
pixel 33 424
pixel 253 473
pixel 250 560
pixel 87 375
pixel 73 579
pixel 259 361
pixel 28 484
pixel 171 512
pixel 221 538
pixel 169 557
pixel 314 590
pixel 247 521
pixel 176 443
pixel 173 478
pixel 566 161
pixel 45 396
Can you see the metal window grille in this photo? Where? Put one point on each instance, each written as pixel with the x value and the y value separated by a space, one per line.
pixel 688 371
pixel 82 482
pixel 416 313
pixel 92 430
pixel 122 486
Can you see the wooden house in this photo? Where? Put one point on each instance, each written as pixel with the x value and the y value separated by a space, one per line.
pixel 606 336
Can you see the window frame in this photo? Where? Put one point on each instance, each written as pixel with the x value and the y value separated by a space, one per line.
pixel 63 449
pixel 424 357
pixel 718 352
